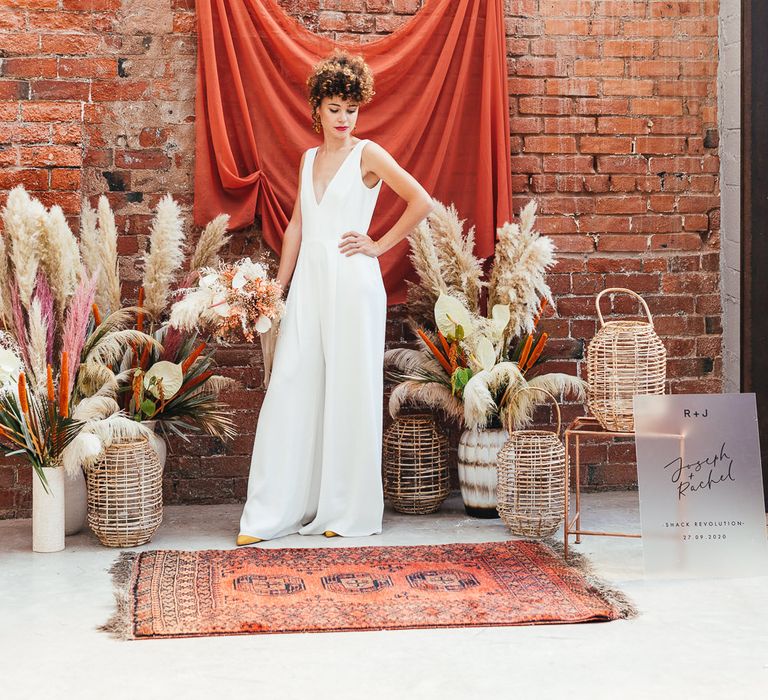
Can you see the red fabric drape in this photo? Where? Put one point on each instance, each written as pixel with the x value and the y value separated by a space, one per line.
pixel 441 109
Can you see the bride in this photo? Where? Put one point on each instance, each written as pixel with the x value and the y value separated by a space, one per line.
pixel 316 463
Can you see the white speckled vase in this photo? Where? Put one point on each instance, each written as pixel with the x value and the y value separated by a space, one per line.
pixel 48 511
pixel 478 471
pixel 157 441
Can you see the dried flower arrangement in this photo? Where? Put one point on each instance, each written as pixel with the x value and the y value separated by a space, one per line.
pixel 172 381
pixel 57 393
pixel 470 365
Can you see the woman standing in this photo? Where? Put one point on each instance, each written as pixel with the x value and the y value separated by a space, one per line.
pixel 316 464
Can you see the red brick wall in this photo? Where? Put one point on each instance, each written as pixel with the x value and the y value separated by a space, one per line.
pixel 614 131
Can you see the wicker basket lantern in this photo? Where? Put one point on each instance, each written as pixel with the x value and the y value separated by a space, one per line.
pixel 624 359
pixel 415 465
pixel 531 479
pixel 125 494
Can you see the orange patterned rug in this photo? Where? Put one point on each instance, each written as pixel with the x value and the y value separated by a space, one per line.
pixel 171 593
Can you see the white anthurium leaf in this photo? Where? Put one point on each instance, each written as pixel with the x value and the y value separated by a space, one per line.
pixel 486 353
pixel 239 280
pixel 450 313
pixel 500 315
pixel 10 365
pixel 169 374
pixel 263 324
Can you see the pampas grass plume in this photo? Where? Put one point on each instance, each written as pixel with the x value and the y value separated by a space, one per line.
pixel 106 252
pixel 211 241
pixel 166 255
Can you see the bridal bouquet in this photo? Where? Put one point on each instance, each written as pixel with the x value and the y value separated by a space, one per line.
pixel 235 301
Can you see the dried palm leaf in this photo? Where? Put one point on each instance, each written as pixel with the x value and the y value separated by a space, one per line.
pixel 518 408
pixel 479 392
pixel 95 408
pixel 430 395
pixel 112 346
pixel 217 384
pixel 408 360
pixel 96 379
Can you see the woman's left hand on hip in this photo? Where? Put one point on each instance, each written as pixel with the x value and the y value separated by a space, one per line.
pixel 353 242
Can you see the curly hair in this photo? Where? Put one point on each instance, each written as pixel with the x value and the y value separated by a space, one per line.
pixel 340 74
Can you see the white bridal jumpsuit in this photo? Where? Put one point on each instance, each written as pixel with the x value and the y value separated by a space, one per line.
pixel 316 461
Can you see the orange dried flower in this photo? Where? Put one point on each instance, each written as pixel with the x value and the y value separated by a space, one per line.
pixel 536 351
pixel 23 399
pixel 189 361
pixel 63 385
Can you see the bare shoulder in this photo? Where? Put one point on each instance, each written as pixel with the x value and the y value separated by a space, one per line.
pixel 378 159
pixel 375 151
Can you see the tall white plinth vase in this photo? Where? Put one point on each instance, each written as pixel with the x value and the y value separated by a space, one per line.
pixel 48 511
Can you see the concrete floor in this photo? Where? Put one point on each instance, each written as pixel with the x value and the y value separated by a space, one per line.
pixel 692 639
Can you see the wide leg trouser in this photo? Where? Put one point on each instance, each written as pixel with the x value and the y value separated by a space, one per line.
pixel 316 462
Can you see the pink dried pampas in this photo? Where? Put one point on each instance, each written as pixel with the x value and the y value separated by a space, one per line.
pixel 76 324
pixel 44 295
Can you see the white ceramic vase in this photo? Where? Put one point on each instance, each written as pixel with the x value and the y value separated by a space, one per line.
pixel 157 441
pixel 477 470
pixel 48 511
pixel 75 502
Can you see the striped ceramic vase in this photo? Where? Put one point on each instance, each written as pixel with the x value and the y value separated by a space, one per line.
pixel 477 470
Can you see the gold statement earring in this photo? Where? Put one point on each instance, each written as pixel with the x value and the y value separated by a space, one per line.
pixel 316 121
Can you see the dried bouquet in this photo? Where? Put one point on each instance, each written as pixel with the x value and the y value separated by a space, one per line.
pixel 173 380
pixel 469 364
pixel 235 301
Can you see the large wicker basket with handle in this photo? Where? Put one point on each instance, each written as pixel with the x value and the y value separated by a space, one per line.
pixel 415 465
pixel 530 491
pixel 125 494
pixel 624 359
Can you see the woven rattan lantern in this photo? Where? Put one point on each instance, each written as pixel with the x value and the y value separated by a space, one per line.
pixel 624 359
pixel 125 494
pixel 415 464
pixel 530 490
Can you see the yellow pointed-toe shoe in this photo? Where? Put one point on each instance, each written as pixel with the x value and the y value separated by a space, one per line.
pixel 331 533
pixel 247 539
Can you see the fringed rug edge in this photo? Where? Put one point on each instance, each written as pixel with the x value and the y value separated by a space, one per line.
pixel 613 596
pixel 119 624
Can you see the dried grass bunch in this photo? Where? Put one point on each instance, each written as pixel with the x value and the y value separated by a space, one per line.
pixel 172 380
pixel 53 346
pixel 470 364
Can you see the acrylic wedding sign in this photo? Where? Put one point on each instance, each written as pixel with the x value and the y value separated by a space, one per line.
pixel 700 482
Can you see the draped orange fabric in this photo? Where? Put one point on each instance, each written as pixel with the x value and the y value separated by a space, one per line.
pixel 440 108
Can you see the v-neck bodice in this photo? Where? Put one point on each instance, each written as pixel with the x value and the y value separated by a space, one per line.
pixel 347 203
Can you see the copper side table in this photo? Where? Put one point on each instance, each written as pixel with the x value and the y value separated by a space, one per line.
pixel 590 427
